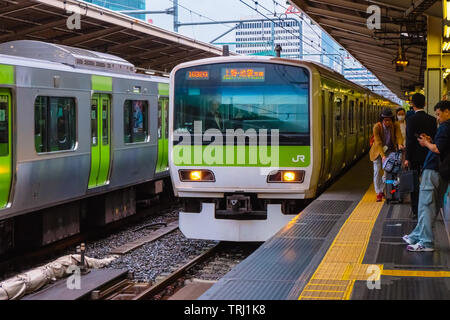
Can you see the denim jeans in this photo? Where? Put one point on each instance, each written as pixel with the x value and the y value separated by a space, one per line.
pixel 377 178
pixel 431 195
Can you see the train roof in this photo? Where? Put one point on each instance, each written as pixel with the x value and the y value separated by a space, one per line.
pixel 323 70
pixel 45 55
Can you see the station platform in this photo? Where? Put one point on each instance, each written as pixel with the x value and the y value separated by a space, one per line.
pixel 343 246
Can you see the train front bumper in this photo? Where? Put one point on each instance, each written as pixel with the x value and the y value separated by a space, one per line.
pixel 205 225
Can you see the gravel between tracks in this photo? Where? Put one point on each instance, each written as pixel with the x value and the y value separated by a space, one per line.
pixel 152 259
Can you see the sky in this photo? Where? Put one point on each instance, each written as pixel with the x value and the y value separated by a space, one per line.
pixel 218 10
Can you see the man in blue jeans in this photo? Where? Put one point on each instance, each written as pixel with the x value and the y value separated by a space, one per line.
pixel 432 187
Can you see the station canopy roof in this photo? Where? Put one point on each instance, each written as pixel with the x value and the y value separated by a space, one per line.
pixel 134 40
pixel 402 22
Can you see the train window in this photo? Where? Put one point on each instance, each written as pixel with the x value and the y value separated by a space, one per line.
pixel 4 110
pixel 247 96
pixel 351 116
pixel 160 107
pixel 105 121
pixel 338 116
pixel 55 124
pixel 94 123
pixel 135 121
pixel 166 118
pixel 361 111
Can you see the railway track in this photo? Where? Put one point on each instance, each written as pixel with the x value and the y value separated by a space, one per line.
pixel 20 261
pixel 128 290
pixel 199 273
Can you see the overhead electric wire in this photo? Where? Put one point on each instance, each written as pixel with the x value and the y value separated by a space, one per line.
pixel 367 76
pixel 281 26
pixel 284 7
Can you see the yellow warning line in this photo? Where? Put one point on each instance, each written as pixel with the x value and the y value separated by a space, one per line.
pixel 342 263
pixel 416 273
pixel 343 260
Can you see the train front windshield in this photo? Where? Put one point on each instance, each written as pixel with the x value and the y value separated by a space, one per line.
pixel 244 96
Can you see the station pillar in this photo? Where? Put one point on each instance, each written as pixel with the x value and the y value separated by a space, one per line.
pixel 437 80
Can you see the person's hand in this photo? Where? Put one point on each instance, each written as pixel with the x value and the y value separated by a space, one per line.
pixel 425 136
pixel 383 159
pixel 406 163
pixel 401 147
pixel 424 139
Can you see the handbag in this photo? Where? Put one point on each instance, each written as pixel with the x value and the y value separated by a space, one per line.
pixel 409 181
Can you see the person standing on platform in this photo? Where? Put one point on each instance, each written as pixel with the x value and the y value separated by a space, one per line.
pixel 432 186
pixel 387 138
pixel 419 123
pixel 410 112
pixel 401 118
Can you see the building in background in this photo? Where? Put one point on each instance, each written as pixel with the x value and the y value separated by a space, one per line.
pixel 261 37
pixel 119 5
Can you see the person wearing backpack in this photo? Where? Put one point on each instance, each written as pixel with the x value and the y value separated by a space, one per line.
pixel 387 138
pixel 432 186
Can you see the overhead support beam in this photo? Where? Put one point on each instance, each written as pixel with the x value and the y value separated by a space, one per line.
pixel 345 27
pixel 31 30
pixel 413 64
pixel 381 50
pixel 343 4
pixel 89 36
pixel 372 43
pixel 152 51
pixel 419 6
pixel 18 7
pixel 345 17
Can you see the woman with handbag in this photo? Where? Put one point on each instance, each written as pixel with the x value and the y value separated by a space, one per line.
pixel 387 137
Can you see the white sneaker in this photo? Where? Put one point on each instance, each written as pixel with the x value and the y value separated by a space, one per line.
pixel 418 248
pixel 407 239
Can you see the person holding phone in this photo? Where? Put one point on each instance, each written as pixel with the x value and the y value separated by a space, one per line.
pixel 432 186
pixel 416 124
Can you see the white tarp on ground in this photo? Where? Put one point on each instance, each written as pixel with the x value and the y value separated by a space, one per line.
pixel 30 281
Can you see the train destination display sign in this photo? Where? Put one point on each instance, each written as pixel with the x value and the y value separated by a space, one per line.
pixel 243 74
pixel 198 75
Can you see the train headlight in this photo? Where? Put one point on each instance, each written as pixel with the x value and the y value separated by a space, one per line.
pixel 288 176
pixel 196 176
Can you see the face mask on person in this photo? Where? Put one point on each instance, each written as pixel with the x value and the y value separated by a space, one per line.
pixel 401 118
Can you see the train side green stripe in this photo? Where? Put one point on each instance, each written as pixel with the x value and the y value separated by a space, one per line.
pixel 100 83
pixel 6 74
pixel 241 156
pixel 163 89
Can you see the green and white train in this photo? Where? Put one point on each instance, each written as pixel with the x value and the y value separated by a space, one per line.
pixel 250 138
pixel 75 126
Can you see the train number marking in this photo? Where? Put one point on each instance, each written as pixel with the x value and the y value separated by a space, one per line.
pixel 300 157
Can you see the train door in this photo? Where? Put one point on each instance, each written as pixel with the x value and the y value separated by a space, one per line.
pixel 346 128
pixel 163 134
pixel 327 146
pixel 5 146
pixel 100 140
pixel 338 135
pixel 361 127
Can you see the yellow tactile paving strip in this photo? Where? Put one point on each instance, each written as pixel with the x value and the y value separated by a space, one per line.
pixel 342 264
pixel 416 273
